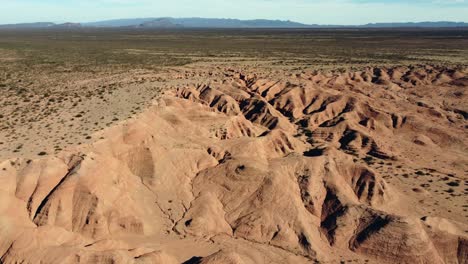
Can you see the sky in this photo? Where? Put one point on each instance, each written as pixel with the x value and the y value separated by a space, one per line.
pixel 344 12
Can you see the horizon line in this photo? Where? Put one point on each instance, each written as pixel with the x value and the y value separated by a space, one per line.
pixel 227 18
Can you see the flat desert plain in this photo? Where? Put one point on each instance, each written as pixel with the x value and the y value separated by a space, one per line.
pixel 233 146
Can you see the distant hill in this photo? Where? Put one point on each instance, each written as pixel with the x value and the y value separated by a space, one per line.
pixel 127 22
pixel 197 23
pixel 257 23
pixel 41 25
pixel 169 22
pixel 29 25
pixel 235 23
pixel 160 23
pixel 440 24
pixel 67 25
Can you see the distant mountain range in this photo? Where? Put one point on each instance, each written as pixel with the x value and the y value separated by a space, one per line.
pixel 198 23
pixel 168 22
pixel 440 24
pixel 39 25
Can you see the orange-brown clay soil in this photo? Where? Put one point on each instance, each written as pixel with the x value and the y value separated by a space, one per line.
pixel 234 165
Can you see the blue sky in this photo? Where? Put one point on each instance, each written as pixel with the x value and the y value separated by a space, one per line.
pixel 306 11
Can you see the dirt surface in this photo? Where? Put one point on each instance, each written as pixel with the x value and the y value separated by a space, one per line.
pixel 234 161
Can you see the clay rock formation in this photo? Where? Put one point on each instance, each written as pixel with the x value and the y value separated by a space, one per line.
pixel 244 170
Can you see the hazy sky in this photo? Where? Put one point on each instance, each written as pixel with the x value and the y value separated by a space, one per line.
pixel 306 11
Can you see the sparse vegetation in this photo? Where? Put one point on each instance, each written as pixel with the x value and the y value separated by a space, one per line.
pixel 453 184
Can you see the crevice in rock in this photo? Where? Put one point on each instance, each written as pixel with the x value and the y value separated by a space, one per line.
pixel 73 168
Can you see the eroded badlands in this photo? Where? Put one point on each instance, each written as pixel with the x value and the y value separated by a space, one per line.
pixel 366 166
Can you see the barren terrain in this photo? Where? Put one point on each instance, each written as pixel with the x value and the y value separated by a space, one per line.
pixel 235 147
